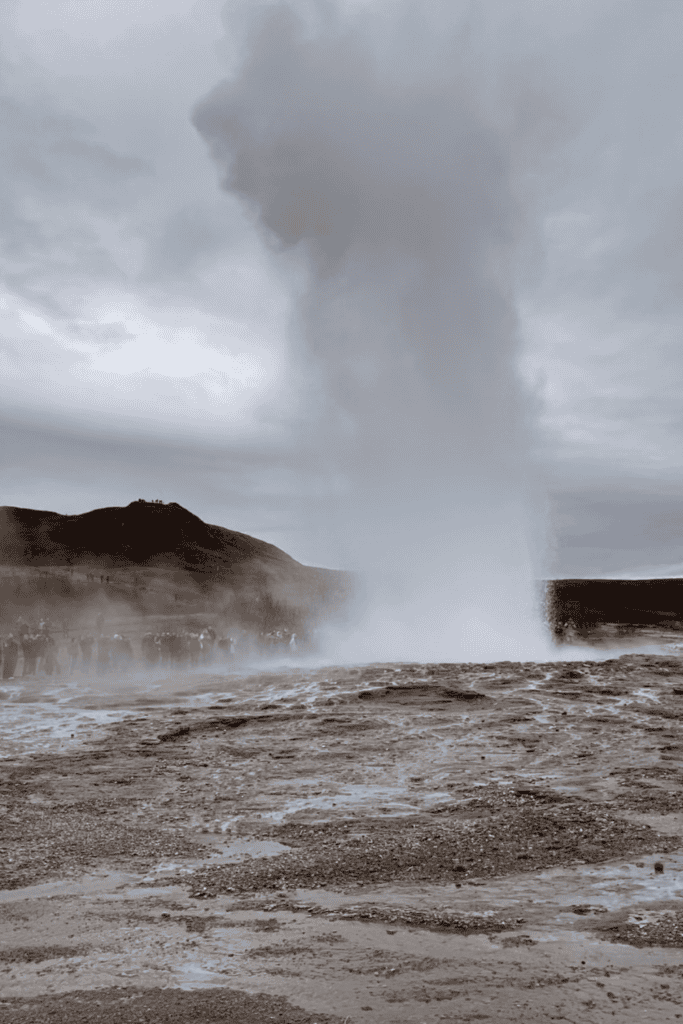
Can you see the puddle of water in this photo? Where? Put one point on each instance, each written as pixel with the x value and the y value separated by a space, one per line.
pixel 355 797
pixel 87 885
pixel 176 892
pixel 240 849
pixel 44 727
pixel 196 977
pixel 647 694
pixel 35 718
pixel 575 939
pixel 612 886
pixel 110 881
pixel 236 940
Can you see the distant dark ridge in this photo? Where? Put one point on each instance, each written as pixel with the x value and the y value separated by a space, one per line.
pixel 142 533
pixel 590 603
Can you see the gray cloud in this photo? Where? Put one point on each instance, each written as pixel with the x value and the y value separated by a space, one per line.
pixel 54 180
pixel 69 466
pixel 101 172
pixel 598 523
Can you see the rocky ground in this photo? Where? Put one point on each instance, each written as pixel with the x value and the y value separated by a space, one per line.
pixel 386 843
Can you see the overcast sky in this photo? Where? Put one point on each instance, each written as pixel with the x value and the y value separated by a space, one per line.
pixel 145 324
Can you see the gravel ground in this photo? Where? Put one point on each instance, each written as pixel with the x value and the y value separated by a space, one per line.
pixel 422 803
pixel 39 954
pixel 61 840
pixel 667 930
pixel 513 837
pixel 435 920
pixel 155 1006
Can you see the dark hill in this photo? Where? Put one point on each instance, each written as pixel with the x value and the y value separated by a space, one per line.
pixel 143 533
pixel 157 553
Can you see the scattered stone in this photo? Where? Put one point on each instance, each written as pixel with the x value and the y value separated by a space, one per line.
pixel 517 835
pixel 38 954
pixel 512 941
pixel 666 930
pixel 156 1006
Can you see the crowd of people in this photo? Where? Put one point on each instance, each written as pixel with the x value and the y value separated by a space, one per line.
pixel 178 649
pixel 35 647
pixel 29 652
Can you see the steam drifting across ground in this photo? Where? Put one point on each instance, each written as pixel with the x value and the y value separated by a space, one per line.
pixel 358 138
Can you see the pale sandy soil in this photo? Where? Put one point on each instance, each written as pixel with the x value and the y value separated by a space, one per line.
pixel 387 843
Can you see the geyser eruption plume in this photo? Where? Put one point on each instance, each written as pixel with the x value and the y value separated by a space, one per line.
pixel 357 141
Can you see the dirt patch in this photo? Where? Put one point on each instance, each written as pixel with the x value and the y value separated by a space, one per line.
pixel 37 954
pixel 417 848
pixel 157 1006
pixel 514 941
pixel 64 840
pixel 653 800
pixel 665 930
pixel 213 725
pixel 434 920
pixel 425 692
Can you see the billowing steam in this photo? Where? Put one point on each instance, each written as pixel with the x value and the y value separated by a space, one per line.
pixel 358 144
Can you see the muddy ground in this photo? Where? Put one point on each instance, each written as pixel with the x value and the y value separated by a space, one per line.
pixel 386 843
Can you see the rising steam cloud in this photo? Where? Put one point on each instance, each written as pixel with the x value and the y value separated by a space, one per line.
pixel 357 142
